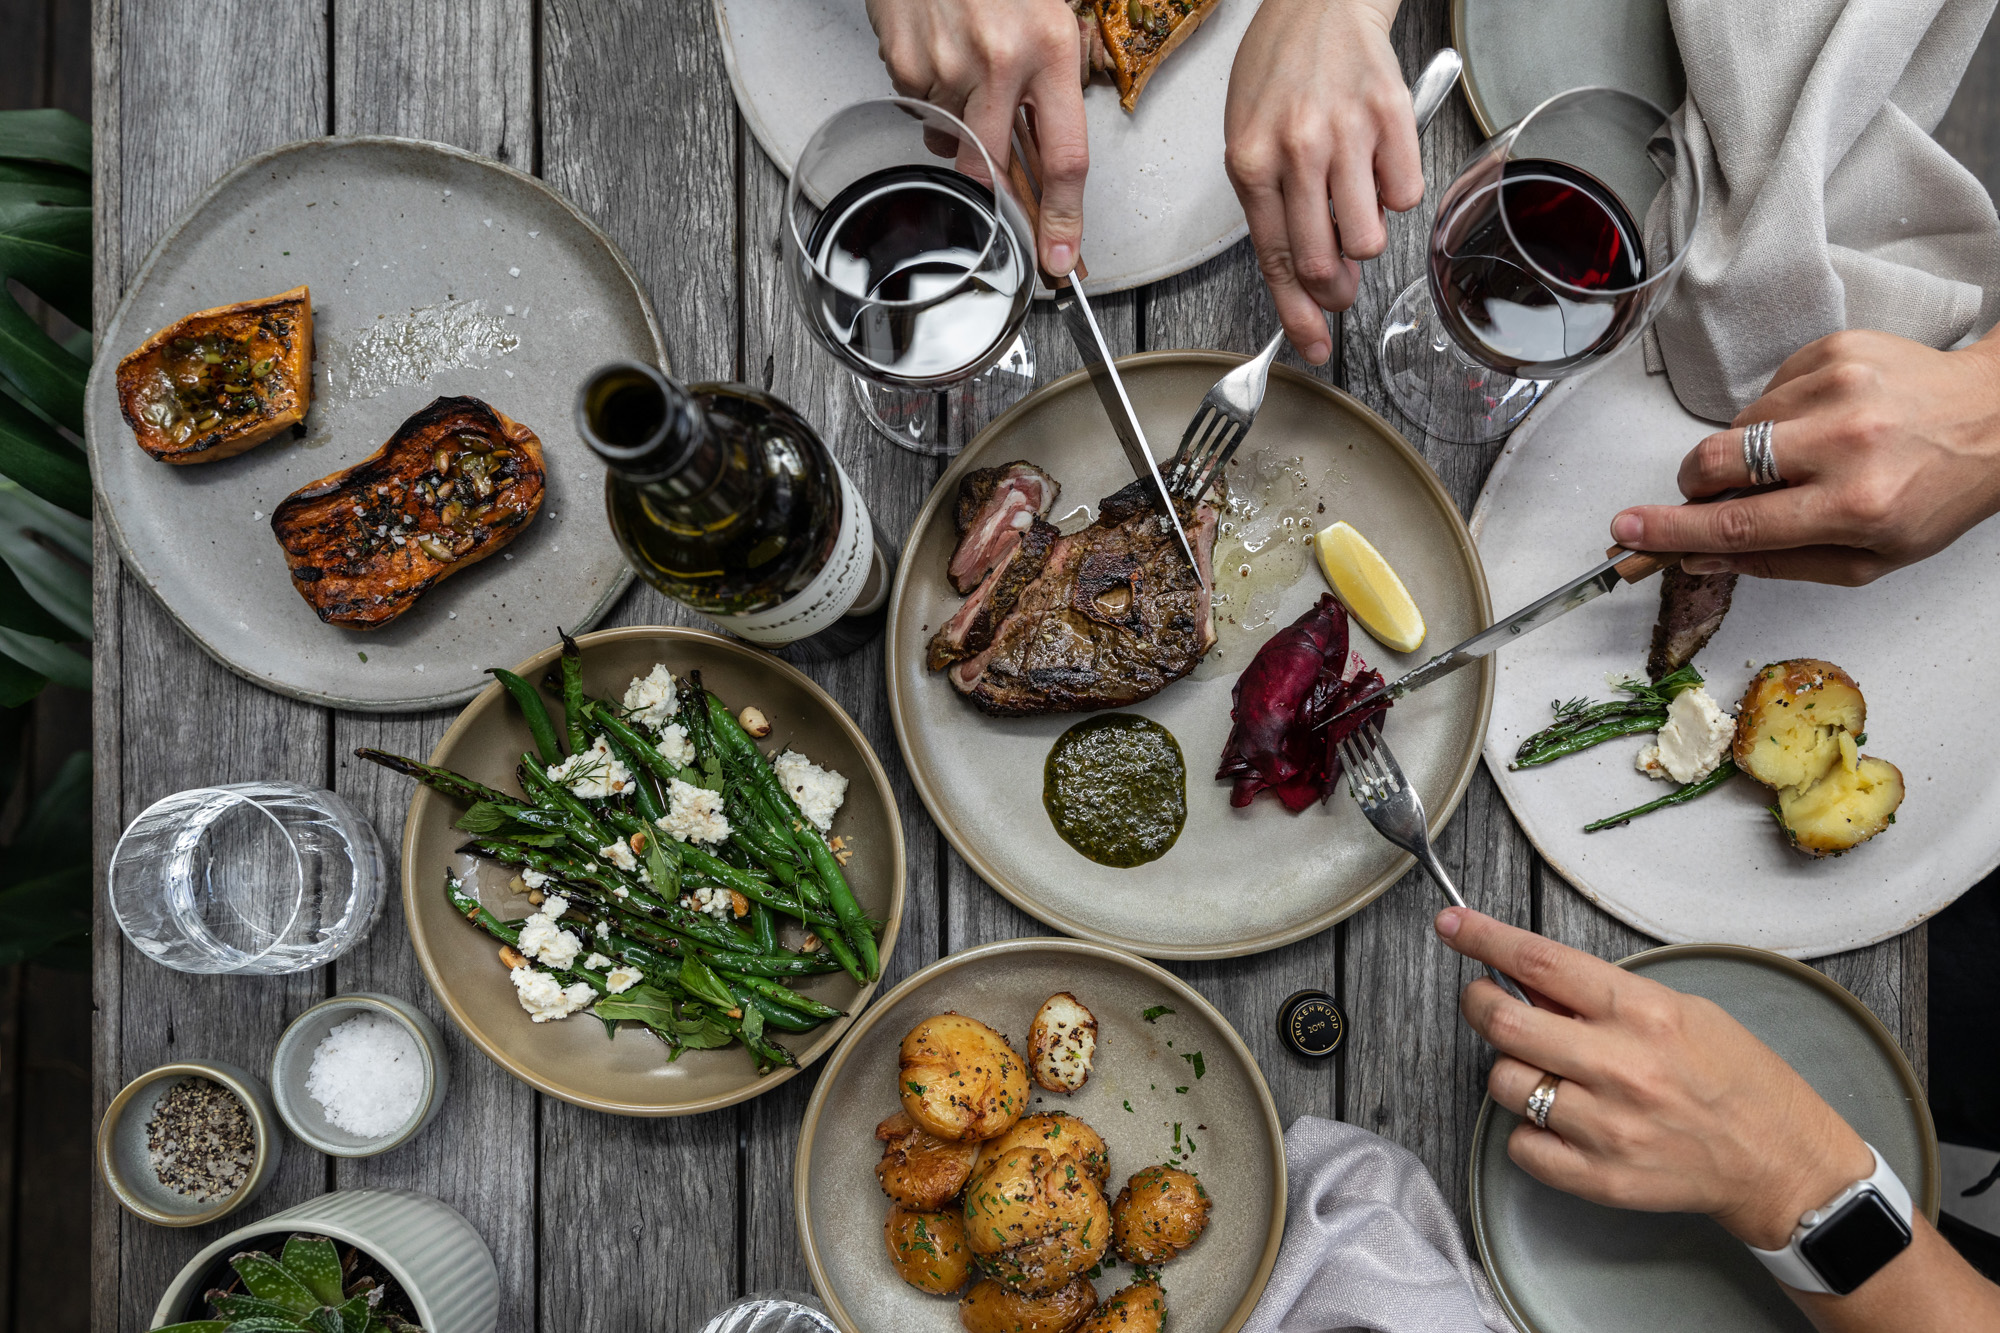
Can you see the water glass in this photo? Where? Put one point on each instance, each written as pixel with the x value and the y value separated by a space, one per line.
pixel 250 877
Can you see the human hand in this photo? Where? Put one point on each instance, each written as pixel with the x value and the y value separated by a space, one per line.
pixel 1891 451
pixel 1667 1104
pixel 1318 113
pixel 981 60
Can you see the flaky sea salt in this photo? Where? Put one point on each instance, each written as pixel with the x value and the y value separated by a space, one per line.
pixel 367 1075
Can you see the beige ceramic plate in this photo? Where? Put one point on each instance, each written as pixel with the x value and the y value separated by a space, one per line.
pixel 1134 1099
pixel 572 1059
pixel 1287 876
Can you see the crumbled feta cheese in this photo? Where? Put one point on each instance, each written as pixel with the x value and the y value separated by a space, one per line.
pixel 621 979
pixel 653 699
pixel 604 930
pixel 694 814
pixel 545 998
pixel 593 773
pixel 818 791
pixel 597 962
pixel 675 747
pixel 1695 739
pixel 534 878
pixel 618 854
pixel 546 942
pixel 554 906
pixel 621 892
pixel 717 903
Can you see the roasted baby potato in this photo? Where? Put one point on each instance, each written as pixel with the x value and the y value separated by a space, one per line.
pixel 1845 808
pixel 927 1249
pixel 919 1170
pixel 1060 1133
pixel 1061 1042
pixel 1789 725
pixel 1161 1211
pixel 217 382
pixel 991 1307
pixel 960 1080
pixel 1026 1193
pixel 1138 1308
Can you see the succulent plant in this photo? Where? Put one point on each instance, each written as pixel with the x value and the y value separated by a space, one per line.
pixel 305 1290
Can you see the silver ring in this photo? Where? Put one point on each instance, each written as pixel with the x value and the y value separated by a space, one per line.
pixel 1758 458
pixel 1542 1100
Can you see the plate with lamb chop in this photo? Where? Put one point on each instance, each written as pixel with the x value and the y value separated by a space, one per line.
pixel 1063 686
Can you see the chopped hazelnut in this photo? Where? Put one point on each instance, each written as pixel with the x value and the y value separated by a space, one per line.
pixel 754 721
pixel 738 903
pixel 535 897
pixel 810 944
pixel 512 957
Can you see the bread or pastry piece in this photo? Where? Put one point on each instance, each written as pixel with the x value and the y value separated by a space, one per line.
pixel 1161 1211
pixel 1061 1042
pixel 990 1306
pixel 1139 34
pixel 1789 725
pixel 456 482
pixel 960 1080
pixel 927 1249
pixel 217 382
pixel 1138 1308
pixel 920 1170
pixel 1844 809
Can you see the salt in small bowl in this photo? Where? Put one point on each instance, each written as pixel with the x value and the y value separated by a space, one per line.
pixel 125 1162
pixel 293 1060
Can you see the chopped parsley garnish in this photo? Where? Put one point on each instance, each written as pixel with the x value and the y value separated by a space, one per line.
pixel 1180 1090
pixel 1194 1058
pixel 1155 1013
pixel 1128 1106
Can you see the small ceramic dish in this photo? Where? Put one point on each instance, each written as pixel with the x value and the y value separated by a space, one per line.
pixel 123 1158
pixel 293 1060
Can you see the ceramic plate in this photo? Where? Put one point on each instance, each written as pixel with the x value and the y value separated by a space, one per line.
pixel 1562 1265
pixel 1520 53
pixel 1134 1099
pixel 981 777
pixel 433 272
pixel 1156 201
pixel 1719 869
pixel 630 1074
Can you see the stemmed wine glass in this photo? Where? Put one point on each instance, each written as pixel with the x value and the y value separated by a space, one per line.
pixel 1539 264
pixel 911 265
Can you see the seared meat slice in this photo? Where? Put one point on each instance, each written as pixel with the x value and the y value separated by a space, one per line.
pixel 995 506
pixel 1691 610
pixel 971 627
pixel 1115 616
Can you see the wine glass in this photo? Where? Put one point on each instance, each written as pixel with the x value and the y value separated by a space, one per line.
pixel 1539 264
pixel 912 266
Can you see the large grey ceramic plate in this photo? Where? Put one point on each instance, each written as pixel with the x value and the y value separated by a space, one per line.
pixel 522 297
pixel 1133 1099
pixel 1562 1265
pixel 1719 869
pixel 1520 53
pixel 1156 202
pixel 1237 881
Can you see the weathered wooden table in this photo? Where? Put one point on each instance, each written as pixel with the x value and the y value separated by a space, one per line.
pixel 598 1223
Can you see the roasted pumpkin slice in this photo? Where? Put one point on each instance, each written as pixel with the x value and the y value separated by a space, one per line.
pixel 456 482
pixel 220 381
pixel 1139 34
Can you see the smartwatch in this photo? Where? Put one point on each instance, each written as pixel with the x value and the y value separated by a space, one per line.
pixel 1847 1240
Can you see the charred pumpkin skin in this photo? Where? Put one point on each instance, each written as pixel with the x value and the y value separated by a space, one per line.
pixel 456 482
pixel 185 408
pixel 1137 48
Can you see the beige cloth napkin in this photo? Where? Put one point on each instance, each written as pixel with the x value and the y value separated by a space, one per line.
pixel 1826 204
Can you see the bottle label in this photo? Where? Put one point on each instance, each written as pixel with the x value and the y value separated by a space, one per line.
pixel 833 591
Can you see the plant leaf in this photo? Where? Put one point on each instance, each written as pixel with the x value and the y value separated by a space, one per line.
pixel 58 185
pixel 45 136
pixel 56 583
pixel 267 1280
pixel 41 460
pixel 53 661
pixel 246 1307
pixel 18 684
pixel 46 247
pixel 22 509
pixel 702 983
pixel 354 1314
pixel 268 1323
pixel 314 1261
pixel 46 375
pixel 197 1326
pixel 21 612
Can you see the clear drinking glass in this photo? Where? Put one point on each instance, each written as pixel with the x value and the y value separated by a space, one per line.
pixel 1539 262
pixel 912 267
pixel 256 877
pixel 772 1312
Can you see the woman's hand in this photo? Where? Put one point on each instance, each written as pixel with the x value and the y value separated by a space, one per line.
pixel 1667 1104
pixel 981 60
pixel 1891 451
pixel 1318 113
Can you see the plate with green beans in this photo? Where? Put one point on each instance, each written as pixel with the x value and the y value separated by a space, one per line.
pixel 619 895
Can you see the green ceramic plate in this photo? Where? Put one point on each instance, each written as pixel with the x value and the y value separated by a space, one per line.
pixel 1561 1265
pixel 1520 53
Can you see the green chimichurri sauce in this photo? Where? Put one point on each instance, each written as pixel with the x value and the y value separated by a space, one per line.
pixel 1116 789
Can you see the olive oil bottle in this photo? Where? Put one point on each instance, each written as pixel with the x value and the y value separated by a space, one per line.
pixel 725 500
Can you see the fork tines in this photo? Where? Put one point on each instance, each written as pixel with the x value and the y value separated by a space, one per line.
pixel 1368 778
pixel 1206 448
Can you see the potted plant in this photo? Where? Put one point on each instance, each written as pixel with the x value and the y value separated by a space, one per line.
pixel 310 1285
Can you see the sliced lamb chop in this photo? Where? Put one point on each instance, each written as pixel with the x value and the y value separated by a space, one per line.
pixel 995 506
pixel 971 627
pixel 1691 610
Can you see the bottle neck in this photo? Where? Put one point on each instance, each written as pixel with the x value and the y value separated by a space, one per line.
pixel 651 431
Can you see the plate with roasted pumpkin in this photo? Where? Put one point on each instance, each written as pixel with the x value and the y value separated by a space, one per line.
pixel 330 422
pixel 1739 760
pixel 1042 1135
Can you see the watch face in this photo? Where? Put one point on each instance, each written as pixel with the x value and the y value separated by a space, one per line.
pixel 1848 1248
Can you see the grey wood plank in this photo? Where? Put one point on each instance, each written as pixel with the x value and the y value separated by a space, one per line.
pixel 461 74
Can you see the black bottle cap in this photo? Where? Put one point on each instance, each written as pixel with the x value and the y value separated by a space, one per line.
pixel 644 425
pixel 1311 1024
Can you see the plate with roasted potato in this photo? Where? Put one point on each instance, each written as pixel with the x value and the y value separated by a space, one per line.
pixel 1745 761
pixel 1041 1136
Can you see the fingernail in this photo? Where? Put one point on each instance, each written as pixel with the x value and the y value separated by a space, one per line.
pixel 1317 353
pixel 1627 528
pixel 1447 922
pixel 1704 564
pixel 1062 257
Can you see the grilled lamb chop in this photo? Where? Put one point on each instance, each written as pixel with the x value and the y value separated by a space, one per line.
pixel 995 506
pixel 971 627
pixel 1691 610
pixel 1115 616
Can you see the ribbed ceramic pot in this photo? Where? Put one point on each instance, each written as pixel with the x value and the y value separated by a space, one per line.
pixel 441 1264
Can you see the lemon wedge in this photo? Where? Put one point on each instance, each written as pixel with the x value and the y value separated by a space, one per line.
pixel 1362 580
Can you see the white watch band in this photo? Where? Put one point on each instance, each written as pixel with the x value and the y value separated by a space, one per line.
pixel 1790 1267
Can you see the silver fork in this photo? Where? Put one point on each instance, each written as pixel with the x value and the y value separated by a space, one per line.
pixel 1220 423
pixel 1397 812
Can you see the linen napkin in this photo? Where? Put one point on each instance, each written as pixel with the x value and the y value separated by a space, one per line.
pixel 1826 205
pixel 1369 1244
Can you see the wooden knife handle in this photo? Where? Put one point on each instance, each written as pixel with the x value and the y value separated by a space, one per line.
pixel 1024 169
pixel 1641 565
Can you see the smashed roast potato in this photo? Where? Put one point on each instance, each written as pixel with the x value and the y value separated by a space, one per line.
pixel 927 1249
pixel 1844 809
pixel 992 1307
pixel 1060 1133
pixel 1138 1308
pixel 1029 1197
pixel 1161 1211
pixel 1061 1042
pixel 1799 732
pixel 217 382
pixel 920 1170
pixel 960 1080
